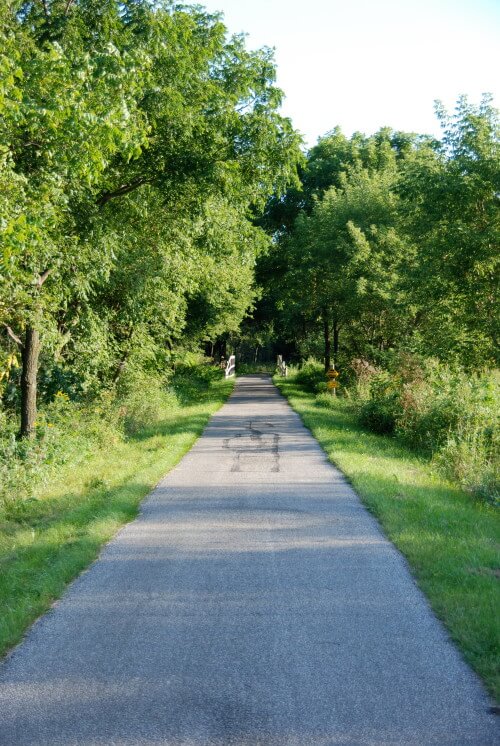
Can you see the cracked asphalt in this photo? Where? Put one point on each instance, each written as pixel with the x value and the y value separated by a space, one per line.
pixel 254 601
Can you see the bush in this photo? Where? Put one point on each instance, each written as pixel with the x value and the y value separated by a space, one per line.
pixel 443 412
pixel 192 383
pixel 471 457
pixel 142 398
pixel 430 406
pixel 360 373
pixel 66 431
pixel 311 376
pixel 381 411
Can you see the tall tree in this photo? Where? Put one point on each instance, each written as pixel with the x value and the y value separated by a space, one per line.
pixel 124 107
pixel 451 207
pixel 335 257
pixel 344 258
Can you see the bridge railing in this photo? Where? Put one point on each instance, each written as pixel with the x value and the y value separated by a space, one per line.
pixel 231 366
pixel 282 366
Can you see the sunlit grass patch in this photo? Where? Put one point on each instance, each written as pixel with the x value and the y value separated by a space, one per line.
pixel 451 540
pixel 45 541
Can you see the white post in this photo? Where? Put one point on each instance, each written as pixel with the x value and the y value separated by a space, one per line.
pixel 231 366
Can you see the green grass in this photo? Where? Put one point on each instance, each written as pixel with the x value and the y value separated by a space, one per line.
pixel 45 542
pixel 451 541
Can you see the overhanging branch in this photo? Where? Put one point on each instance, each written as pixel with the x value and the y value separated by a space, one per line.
pixel 13 336
pixel 121 191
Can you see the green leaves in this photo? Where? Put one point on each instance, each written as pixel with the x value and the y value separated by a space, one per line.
pixel 395 237
pixel 139 142
pixel 451 211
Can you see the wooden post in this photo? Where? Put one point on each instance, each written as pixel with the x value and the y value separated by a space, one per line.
pixel 282 366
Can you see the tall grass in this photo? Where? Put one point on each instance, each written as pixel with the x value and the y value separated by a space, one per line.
pixel 443 413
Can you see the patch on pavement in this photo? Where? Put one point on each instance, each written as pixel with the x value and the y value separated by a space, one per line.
pixel 254 450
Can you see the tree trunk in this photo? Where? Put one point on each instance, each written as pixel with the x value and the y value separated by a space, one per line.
pixel 30 353
pixel 335 340
pixel 120 368
pixel 328 345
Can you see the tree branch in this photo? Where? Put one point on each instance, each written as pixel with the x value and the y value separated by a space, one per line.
pixel 41 278
pixel 13 336
pixel 120 191
pixel 246 105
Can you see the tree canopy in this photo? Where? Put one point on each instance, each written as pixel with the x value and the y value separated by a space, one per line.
pixel 139 140
pixel 391 242
pixel 153 198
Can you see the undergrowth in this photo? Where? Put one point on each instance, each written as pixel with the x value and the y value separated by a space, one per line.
pixel 442 413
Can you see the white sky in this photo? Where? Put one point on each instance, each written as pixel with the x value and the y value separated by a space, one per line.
pixel 364 64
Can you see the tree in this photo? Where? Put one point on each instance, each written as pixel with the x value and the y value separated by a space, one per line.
pixel 334 268
pixel 75 112
pixel 451 209
pixel 344 257
pixel 124 109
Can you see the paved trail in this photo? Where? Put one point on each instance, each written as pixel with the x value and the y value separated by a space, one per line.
pixel 254 601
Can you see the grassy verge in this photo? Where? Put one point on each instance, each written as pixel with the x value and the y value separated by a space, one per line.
pixel 451 541
pixel 48 539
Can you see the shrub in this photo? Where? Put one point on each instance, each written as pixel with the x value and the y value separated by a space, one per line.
pixel 360 373
pixel 431 406
pixel 471 457
pixel 66 431
pixel 311 375
pixel 381 411
pixel 192 383
pixel 142 398
pixel 443 412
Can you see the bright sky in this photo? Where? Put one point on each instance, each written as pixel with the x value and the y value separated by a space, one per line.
pixel 364 64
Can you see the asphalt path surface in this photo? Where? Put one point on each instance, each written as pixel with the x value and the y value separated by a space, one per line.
pixel 253 601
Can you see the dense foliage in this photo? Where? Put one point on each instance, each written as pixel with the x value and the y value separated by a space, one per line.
pixel 70 431
pixel 385 263
pixel 139 147
pixel 392 243
pixel 138 141
pixel 445 416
